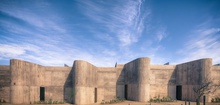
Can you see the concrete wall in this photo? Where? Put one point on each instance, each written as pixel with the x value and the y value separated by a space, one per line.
pixel 137 79
pixel 120 83
pixel 93 84
pixel 190 75
pixel 5 80
pixel 106 83
pixel 162 81
pixel 215 74
pixel 84 82
pixel 57 83
pixel 27 78
pixel 25 82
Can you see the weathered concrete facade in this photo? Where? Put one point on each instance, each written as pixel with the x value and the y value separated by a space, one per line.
pixel 84 83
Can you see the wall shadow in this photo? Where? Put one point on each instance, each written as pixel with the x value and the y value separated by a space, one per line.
pixel 120 85
pixel 68 91
pixel 172 85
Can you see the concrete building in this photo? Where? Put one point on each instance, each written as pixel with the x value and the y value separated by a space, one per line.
pixel 84 83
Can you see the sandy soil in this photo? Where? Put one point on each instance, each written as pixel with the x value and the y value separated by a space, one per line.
pixel 134 103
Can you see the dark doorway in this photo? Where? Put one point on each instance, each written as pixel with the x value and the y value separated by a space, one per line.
pixel 95 93
pixel 126 92
pixel 42 93
pixel 179 92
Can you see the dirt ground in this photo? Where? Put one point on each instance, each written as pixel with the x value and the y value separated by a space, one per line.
pixel 134 103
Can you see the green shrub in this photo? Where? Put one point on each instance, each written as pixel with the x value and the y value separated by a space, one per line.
pixel 116 100
pixel 48 102
pixel 163 99
pixel 61 102
pixel 216 100
pixel 2 101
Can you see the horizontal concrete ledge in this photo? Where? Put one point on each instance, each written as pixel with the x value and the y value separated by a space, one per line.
pixel 162 67
pixel 4 67
pixel 215 67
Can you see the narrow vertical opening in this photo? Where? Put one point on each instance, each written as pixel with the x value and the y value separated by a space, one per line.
pixel 179 92
pixel 95 95
pixel 126 92
pixel 42 93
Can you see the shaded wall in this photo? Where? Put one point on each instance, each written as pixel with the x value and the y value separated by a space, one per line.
pixel 137 79
pixel 120 83
pixel 190 75
pixel 162 81
pixel 5 80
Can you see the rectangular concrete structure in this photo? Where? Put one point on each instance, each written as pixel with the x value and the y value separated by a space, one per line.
pixel 24 82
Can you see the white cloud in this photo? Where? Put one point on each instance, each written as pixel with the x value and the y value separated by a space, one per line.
pixel 55 56
pixel 10 51
pixel 125 37
pixel 124 19
pixel 44 41
pixel 43 23
pixel 161 34
pixel 109 53
pixel 13 50
pixel 204 43
pixel 130 21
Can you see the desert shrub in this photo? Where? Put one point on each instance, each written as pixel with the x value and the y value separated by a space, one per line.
pixel 216 100
pixel 2 101
pixel 116 100
pixel 49 102
pixel 163 99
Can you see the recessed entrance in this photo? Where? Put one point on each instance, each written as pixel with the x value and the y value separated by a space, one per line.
pixel 42 93
pixel 179 92
pixel 126 92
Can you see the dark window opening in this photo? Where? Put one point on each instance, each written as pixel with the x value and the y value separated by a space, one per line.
pixel 42 93
pixel 179 92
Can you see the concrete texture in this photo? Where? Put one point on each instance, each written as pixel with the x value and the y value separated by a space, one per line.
pixel 137 79
pixel 84 83
pixel 5 83
pixel 27 78
pixel 162 81
pixel 191 74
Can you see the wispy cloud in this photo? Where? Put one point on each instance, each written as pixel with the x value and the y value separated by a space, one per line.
pixel 124 19
pixel 32 18
pixel 204 43
pixel 161 34
pixel 43 38
pixel 55 55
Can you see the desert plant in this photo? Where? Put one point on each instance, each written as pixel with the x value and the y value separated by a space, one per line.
pixel 116 100
pixel 207 86
pixel 163 99
pixel 48 102
pixel 215 100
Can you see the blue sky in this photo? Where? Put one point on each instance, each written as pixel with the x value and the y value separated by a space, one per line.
pixel 103 32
